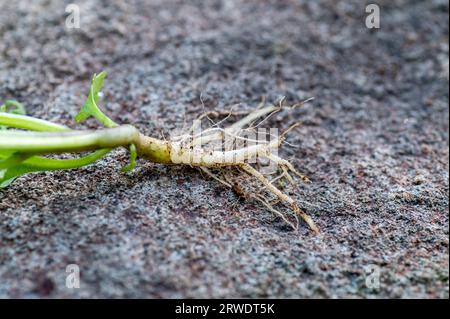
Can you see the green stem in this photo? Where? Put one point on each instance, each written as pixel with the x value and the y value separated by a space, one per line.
pixel 29 123
pixel 39 164
pixel 14 159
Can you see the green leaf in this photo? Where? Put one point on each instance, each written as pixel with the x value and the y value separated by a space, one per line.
pixel 5 183
pixel 16 167
pixel 12 107
pixel 13 160
pixel 6 163
pixel 90 107
pixel 29 123
pixel 5 154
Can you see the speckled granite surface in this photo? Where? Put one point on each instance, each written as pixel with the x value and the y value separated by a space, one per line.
pixel 374 142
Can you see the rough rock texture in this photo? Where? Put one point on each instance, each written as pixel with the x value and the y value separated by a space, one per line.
pixel 374 142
